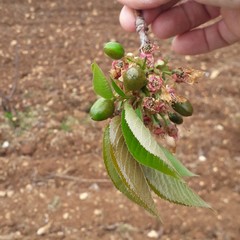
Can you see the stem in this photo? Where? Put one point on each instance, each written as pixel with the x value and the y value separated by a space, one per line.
pixel 166 122
pixel 142 29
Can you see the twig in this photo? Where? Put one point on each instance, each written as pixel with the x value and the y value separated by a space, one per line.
pixel 142 29
pixel 77 179
pixel 15 80
pixel 7 98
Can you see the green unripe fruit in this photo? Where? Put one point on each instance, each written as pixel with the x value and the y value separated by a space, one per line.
pixel 114 50
pixel 175 118
pixel 183 108
pixel 134 79
pixel 102 109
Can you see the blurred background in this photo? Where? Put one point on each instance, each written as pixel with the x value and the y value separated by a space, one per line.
pixel 53 184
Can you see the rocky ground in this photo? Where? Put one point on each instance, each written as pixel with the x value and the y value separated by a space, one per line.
pixel 53 184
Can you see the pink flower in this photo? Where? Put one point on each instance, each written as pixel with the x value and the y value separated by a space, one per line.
pixel 147 120
pixel 186 75
pixel 179 76
pixel 160 107
pixel 154 106
pixel 154 83
pixel 149 103
pixel 159 131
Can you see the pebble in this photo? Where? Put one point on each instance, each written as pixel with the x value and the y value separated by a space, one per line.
pixel 97 212
pixel 202 158
pixel 219 127
pixel 5 144
pixel 3 194
pixel 201 183
pixel 65 216
pixel 10 193
pixel 29 187
pixel 214 74
pixel 83 196
pixel 153 234
pixel 94 187
pixel 43 230
pixel 226 200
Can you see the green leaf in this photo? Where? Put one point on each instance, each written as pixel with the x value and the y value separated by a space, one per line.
pixel 112 171
pixel 139 113
pixel 172 189
pixel 128 169
pixel 118 90
pixel 182 170
pixel 142 145
pixel 101 85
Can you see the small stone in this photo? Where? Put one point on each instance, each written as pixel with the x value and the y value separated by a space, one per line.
pixel 65 216
pixel 83 196
pixel 29 187
pixel 13 43
pixel 201 183
pixel 214 74
pixel 153 234
pixel 3 194
pixel 10 193
pixel 97 212
pixel 94 187
pixel 202 158
pixel 226 200
pixel 188 58
pixel 219 127
pixel 45 229
pixel 215 169
pixel 5 144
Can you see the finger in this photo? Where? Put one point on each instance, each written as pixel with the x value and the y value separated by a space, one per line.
pixel 143 4
pixel 182 18
pixel 205 39
pixel 151 14
pixel 221 3
pixel 127 15
pixel 127 19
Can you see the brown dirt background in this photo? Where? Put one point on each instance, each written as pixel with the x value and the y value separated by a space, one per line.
pixel 52 177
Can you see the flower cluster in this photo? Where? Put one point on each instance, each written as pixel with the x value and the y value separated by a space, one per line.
pixel 161 107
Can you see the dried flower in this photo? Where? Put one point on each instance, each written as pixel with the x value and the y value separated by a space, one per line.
pixel 155 83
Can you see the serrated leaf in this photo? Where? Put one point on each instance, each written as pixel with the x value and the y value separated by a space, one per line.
pixel 120 184
pixel 112 172
pixel 129 169
pixel 101 85
pixel 118 90
pixel 182 170
pixel 142 145
pixel 172 189
pixel 155 156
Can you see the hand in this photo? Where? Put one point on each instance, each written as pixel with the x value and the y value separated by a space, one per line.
pixel 180 19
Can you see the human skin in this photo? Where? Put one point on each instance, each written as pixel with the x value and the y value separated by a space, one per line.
pixel 181 19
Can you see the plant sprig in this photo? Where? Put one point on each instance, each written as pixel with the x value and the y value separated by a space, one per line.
pixel 144 104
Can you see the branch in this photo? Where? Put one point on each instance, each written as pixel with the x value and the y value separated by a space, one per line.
pixel 76 179
pixel 6 99
pixel 16 78
pixel 142 29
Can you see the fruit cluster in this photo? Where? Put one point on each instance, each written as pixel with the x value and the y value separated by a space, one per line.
pixel 150 86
